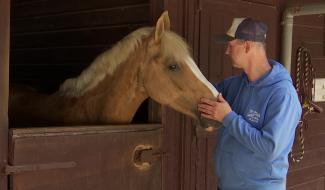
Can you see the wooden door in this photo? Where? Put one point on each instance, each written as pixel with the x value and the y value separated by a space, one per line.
pixel 89 157
pixel 214 17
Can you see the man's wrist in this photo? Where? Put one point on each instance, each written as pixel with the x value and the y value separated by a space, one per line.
pixel 229 118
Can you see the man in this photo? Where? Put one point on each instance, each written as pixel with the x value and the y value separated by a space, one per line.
pixel 259 111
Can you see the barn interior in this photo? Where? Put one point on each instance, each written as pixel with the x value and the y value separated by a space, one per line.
pixel 52 40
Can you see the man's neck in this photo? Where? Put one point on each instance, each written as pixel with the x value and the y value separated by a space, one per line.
pixel 257 68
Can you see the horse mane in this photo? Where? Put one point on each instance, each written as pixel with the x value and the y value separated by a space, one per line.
pixel 107 62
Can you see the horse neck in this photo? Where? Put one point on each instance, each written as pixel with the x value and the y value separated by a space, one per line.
pixel 120 95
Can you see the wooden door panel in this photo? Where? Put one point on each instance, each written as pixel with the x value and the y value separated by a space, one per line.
pixel 103 158
pixel 317 184
pixel 215 18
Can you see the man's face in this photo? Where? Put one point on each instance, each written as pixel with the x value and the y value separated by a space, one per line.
pixel 236 51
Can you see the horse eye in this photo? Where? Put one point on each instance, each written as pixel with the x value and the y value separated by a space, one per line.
pixel 173 67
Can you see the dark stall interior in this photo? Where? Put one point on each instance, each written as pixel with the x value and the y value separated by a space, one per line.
pixel 52 40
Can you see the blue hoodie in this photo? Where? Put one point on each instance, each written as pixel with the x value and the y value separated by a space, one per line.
pixel 257 136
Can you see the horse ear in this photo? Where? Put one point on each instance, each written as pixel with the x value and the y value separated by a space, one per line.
pixel 162 24
pixel 166 20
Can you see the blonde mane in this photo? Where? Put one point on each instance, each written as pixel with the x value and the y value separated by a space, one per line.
pixel 107 62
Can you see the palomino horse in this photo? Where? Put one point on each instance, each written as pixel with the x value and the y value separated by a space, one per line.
pixel 150 62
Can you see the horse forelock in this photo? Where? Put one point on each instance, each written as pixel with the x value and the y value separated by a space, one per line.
pixel 105 64
pixel 174 46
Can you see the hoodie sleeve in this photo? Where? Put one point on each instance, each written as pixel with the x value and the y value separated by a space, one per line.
pixel 281 118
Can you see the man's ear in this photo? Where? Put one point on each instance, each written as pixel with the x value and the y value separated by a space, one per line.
pixel 162 25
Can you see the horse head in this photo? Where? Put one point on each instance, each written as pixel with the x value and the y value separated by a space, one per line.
pixel 169 74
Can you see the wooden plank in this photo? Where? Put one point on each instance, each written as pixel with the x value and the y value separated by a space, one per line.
pixel 56 56
pixel 39 8
pixel 214 20
pixel 311 34
pixel 305 175
pixel 156 8
pixel 263 2
pixel 309 20
pixel 205 175
pixel 267 14
pixel 311 158
pixel 172 164
pixel 83 19
pixel 47 71
pixel 4 85
pixel 319 64
pixel 315 48
pixel 81 130
pixel 80 37
pixel 317 184
pixel 211 180
pixel 14 2
pixel 201 164
pixel 104 157
pixel 315 142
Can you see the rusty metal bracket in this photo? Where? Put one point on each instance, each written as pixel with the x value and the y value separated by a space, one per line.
pixel 144 155
pixel 9 169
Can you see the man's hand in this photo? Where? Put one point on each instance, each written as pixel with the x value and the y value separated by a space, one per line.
pixel 214 109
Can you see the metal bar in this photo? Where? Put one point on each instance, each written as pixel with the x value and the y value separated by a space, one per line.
pixel 38 167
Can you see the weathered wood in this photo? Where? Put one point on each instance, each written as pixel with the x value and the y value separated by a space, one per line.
pixel 317 184
pixel 83 19
pixel 10 170
pixel 4 84
pixel 55 40
pixel 104 157
pixel 214 17
pixel 41 56
pixel 305 175
pixel 263 2
pixel 78 37
pixel 81 130
pixel 38 8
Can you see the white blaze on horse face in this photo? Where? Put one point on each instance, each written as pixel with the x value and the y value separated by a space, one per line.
pixel 196 71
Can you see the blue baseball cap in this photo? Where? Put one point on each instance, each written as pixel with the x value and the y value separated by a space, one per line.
pixel 245 29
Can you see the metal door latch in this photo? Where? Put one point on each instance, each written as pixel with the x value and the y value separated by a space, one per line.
pixel 144 155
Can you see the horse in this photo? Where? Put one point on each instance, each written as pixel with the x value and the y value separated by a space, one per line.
pixel 149 62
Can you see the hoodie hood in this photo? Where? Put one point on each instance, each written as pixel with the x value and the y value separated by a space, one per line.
pixel 276 74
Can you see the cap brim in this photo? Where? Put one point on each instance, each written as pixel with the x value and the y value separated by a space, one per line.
pixel 224 38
